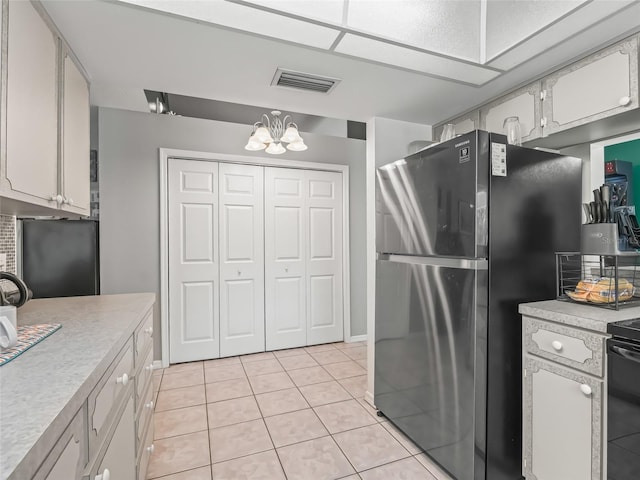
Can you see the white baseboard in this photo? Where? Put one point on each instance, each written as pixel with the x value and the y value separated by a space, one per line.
pixel 157 365
pixel 368 397
pixel 357 338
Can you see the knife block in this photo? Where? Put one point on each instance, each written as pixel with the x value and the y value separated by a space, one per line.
pixel 603 239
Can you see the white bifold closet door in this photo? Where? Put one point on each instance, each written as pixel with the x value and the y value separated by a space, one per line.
pixel 193 260
pixel 303 257
pixel 241 259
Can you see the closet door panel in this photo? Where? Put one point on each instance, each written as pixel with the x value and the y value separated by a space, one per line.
pixel 324 258
pixel 285 253
pixel 193 260
pixel 241 259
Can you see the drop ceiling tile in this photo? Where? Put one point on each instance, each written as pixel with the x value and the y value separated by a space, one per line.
pixel 414 60
pixel 508 23
pixel 442 26
pixel 561 31
pixel 325 10
pixel 245 18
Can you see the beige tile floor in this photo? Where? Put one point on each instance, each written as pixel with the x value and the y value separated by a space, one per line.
pixel 291 414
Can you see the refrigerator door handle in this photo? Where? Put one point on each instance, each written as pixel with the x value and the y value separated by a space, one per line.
pixel 448 262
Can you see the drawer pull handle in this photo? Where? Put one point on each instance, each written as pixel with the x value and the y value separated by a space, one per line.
pixel 586 389
pixel 124 379
pixel 624 101
pixel 106 475
pixel 149 367
pixel 557 346
pixel 148 405
pixel 149 331
pixel 151 448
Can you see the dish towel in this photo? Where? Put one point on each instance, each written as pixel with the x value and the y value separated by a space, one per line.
pixel 28 336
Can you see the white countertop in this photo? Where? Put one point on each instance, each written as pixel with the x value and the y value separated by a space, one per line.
pixel 589 317
pixel 42 389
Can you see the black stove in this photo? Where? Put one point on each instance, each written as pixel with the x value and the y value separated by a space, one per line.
pixel 626 329
pixel 623 396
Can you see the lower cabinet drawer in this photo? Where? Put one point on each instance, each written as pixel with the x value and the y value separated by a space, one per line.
pixel 573 347
pixel 143 337
pixel 145 453
pixel 143 376
pixel 117 459
pixel 144 414
pixel 68 458
pixel 106 397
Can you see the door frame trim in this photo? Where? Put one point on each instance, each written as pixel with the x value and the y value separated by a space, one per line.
pixel 166 153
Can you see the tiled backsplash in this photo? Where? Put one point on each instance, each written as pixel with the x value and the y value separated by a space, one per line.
pixel 8 240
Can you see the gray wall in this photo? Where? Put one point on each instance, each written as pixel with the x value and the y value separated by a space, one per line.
pixel 130 195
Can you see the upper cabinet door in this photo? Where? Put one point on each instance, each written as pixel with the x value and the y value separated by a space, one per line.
pixel 599 86
pixel 523 103
pixel 32 113
pixel 463 124
pixel 75 139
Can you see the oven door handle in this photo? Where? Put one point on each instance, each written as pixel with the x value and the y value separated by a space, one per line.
pixel 628 354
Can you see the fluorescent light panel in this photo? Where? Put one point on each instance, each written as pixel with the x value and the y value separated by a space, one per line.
pixel 553 36
pixel 249 19
pixel 447 27
pixel 362 47
pixel 329 11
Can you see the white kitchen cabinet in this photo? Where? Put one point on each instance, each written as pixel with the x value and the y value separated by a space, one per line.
pixel 119 458
pixel 68 458
pixel 74 158
pixel 30 168
pixel 599 86
pixel 562 434
pixel 44 104
pixel 463 124
pixel 523 103
pixel 563 399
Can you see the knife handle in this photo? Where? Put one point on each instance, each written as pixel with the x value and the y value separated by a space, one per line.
pixel 594 212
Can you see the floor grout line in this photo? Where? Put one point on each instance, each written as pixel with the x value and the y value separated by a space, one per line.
pixel 253 394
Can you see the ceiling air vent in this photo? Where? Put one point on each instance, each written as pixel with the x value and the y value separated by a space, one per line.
pixel 304 81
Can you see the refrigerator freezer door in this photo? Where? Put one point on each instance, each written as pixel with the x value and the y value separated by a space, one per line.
pixel 434 202
pixel 430 365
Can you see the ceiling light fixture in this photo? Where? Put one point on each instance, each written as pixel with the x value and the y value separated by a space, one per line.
pixel 270 134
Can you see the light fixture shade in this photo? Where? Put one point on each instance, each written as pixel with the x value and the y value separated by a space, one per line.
pixel 275 149
pixel 291 135
pixel 297 146
pixel 254 144
pixel 263 135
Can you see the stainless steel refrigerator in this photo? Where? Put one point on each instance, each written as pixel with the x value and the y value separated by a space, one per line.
pixel 466 230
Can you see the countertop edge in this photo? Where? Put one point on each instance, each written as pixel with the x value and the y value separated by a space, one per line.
pixel 31 462
pixel 587 317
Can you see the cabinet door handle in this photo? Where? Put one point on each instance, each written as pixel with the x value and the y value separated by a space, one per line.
pixel 105 475
pixel 624 101
pixel 67 201
pixel 151 448
pixel 557 346
pixel 124 379
pixel 586 389
pixel 543 122
pixel 149 367
pixel 56 198
pixel 149 331
pixel 149 405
